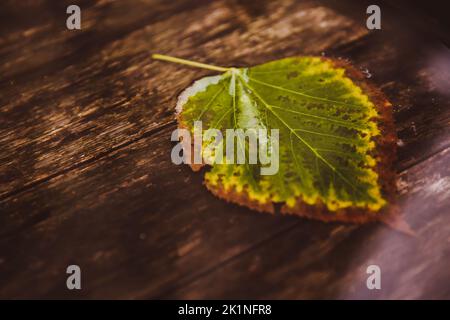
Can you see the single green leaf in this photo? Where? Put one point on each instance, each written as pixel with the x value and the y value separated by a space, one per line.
pixel 328 131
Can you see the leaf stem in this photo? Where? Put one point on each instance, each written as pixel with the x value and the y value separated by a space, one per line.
pixel 189 63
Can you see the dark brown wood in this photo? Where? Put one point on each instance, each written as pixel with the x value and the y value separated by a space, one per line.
pixel 333 263
pixel 86 176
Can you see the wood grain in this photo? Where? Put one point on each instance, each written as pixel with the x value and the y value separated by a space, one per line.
pixel 334 261
pixel 119 93
pixel 86 176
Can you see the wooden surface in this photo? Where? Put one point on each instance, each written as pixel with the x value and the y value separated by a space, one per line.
pixel 86 176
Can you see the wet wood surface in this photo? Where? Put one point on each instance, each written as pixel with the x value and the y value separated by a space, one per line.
pixel 86 176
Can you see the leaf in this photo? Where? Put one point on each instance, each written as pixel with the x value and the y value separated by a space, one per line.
pixel 336 137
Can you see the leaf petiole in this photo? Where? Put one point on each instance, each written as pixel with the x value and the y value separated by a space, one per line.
pixel 189 63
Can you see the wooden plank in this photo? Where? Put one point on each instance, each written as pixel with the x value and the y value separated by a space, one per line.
pixel 416 78
pixel 133 221
pixel 35 42
pixel 141 227
pixel 85 169
pixel 331 261
pixel 113 93
pixel 113 96
pixel 95 101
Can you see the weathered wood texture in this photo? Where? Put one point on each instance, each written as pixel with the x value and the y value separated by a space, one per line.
pixel 86 176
